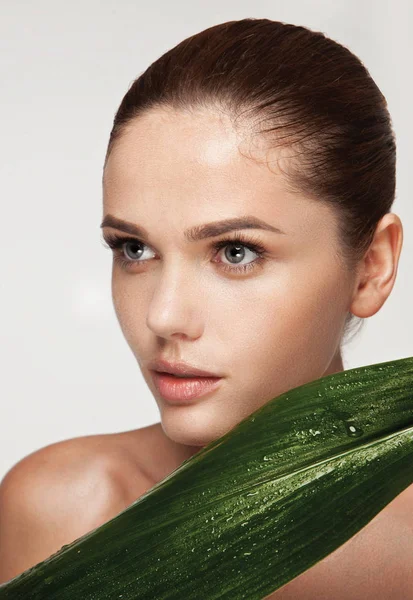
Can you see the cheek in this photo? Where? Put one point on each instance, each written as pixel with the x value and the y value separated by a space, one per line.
pixel 129 305
pixel 288 329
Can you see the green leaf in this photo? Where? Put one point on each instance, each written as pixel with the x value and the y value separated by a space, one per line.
pixel 255 508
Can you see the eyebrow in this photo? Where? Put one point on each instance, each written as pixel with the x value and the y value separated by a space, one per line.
pixel 198 232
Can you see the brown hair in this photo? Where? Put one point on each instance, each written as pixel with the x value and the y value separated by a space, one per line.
pixel 304 92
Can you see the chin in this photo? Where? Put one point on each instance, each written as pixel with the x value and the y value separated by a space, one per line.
pixel 189 429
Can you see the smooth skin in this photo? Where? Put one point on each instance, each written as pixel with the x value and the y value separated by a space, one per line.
pixel 265 331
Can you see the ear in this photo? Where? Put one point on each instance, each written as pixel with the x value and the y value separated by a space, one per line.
pixel 378 269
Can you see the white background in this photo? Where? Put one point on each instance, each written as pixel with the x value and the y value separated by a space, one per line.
pixel 66 369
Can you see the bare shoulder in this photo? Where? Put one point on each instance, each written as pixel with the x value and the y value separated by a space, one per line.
pixel 59 493
pixel 100 465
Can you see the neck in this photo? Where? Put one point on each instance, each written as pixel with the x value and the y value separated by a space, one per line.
pixel 336 365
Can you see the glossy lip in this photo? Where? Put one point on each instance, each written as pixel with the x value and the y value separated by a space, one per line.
pixel 179 368
pixel 183 391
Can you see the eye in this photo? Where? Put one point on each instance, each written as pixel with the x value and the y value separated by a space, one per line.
pixel 235 249
pixel 236 244
pixel 117 243
pixel 135 247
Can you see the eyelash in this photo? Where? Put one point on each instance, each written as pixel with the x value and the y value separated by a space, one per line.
pixel 115 242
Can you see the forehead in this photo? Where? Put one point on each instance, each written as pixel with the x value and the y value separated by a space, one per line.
pixel 197 161
pixel 162 141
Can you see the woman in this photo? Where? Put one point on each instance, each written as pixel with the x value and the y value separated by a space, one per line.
pixel 247 189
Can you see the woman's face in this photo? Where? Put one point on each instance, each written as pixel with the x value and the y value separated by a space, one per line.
pixel 266 330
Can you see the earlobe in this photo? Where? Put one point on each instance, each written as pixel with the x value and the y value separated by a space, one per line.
pixel 367 302
pixel 379 268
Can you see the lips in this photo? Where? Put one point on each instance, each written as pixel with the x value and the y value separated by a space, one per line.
pixel 181 376
pixel 177 390
pixel 181 369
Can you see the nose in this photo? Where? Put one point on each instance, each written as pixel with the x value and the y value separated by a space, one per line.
pixel 175 308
